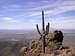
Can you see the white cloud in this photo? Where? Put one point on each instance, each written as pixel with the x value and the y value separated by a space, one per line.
pixel 64 23
pixel 57 10
pixel 8 19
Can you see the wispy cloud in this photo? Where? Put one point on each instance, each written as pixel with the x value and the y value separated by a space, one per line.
pixel 8 19
pixel 63 22
pixel 28 13
pixel 45 6
pixel 57 10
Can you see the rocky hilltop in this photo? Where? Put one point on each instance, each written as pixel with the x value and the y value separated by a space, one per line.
pixel 49 43
pixel 35 48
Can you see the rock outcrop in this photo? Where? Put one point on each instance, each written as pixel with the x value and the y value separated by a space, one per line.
pixel 35 48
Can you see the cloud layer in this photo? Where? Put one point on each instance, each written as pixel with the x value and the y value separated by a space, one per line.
pixel 24 14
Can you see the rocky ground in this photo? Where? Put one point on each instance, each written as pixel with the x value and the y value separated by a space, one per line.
pixel 34 48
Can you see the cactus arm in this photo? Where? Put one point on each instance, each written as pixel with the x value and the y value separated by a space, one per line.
pixel 47 29
pixel 38 30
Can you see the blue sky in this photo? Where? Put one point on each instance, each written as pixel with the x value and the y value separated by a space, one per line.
pixel 25 14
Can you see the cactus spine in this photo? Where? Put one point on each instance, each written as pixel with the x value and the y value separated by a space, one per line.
pixel 45 31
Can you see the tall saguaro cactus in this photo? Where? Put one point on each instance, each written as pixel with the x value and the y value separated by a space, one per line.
pixel 45 31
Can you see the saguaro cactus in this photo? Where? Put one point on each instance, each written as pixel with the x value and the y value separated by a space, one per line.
pixel 45 31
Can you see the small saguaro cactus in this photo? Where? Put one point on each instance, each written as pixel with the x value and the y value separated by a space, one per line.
pixel 45 31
